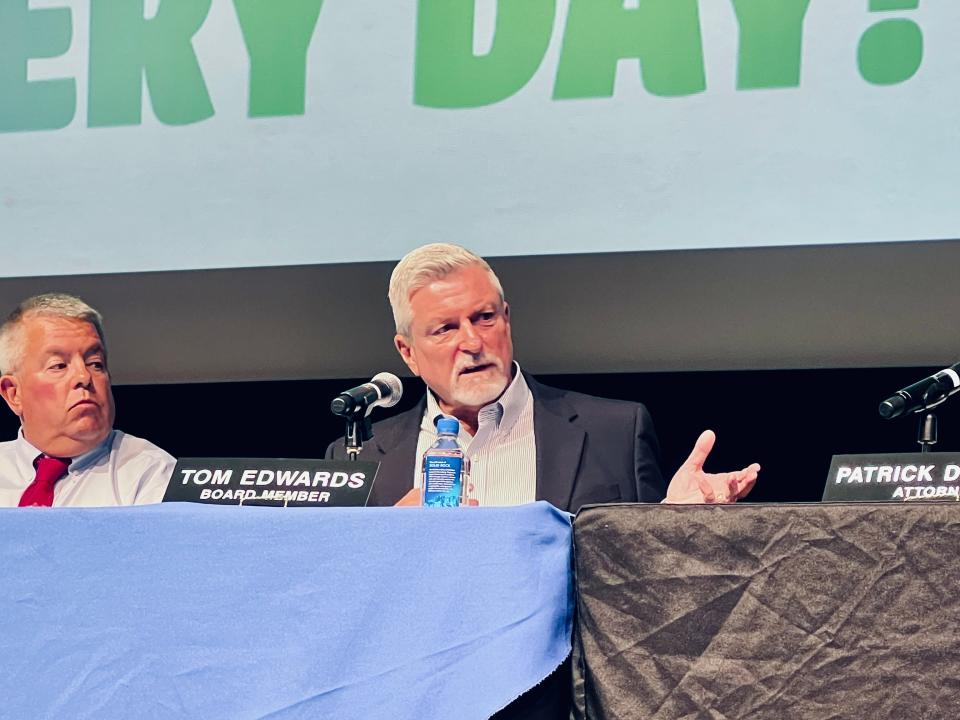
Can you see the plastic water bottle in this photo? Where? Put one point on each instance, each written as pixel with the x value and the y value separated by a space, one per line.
pixel 445 471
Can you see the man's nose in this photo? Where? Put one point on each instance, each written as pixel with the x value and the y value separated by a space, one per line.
pixel 82 376
pixel 470 340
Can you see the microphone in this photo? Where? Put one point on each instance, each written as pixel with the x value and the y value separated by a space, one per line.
pixel 383 390
pixel 922 395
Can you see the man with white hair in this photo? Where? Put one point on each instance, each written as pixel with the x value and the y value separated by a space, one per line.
pixel 526 441
pixel 55 378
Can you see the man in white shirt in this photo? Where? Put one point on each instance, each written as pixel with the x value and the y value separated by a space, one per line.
pixel 55 378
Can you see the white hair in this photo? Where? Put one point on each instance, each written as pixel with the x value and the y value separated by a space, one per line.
pixel 422 266
pixel 57 305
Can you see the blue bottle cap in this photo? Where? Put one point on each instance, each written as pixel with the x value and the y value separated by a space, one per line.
pixel 448 425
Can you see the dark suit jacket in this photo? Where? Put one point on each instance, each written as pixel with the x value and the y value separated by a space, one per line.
pixel 589 450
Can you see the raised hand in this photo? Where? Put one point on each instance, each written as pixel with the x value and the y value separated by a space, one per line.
pixel 690 484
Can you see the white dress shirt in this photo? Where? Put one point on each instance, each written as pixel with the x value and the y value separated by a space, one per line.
pixel 503 453
pixel 122 470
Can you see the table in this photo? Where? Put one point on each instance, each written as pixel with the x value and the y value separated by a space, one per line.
pixel 777 611
pixel 189 611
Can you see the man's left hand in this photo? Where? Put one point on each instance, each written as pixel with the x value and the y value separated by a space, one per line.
pixel 691 484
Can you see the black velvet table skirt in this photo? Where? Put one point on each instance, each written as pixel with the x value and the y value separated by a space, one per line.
pixel 768 611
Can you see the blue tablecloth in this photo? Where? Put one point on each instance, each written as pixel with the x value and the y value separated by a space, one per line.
pixel 188 611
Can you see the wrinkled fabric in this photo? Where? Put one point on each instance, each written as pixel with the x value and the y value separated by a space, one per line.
pixel 189 611
pixel 779 612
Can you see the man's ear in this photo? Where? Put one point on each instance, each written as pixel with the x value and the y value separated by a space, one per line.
pixel 406 352
pixel 11 393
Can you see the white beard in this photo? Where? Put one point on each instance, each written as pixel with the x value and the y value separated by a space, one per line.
pixel 477 394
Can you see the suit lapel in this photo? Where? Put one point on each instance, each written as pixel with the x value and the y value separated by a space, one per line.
pixel 559 444
pixel 396 451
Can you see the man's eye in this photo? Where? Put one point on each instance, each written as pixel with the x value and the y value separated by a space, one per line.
pixel 442 330
pixel 487 316
pixel 57 366
pixel 97 364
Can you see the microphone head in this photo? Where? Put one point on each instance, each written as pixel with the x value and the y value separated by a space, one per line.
pixel 394 386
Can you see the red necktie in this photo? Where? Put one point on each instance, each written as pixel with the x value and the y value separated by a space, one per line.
pixel 40 491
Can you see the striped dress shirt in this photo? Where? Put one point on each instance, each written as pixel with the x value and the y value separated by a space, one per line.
pixel 503 453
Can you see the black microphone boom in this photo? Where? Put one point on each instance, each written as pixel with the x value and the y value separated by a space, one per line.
pixel 383 390
pixel 922 395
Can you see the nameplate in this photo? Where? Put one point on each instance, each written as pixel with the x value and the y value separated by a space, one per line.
pixel 897 477
pixel 280 482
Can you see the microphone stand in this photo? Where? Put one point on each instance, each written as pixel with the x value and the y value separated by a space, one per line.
pixel 358 429
pixel 927 431
pixel 928 427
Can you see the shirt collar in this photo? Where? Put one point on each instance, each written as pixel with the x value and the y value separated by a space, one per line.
pixel 505 410
pixel 29 452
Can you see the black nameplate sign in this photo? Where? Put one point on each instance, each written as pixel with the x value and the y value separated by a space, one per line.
pixel 896 477
pixel 281 482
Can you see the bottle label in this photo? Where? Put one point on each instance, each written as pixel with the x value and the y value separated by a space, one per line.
pixel 441 482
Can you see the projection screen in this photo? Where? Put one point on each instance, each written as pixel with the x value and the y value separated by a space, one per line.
pixel 189 134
